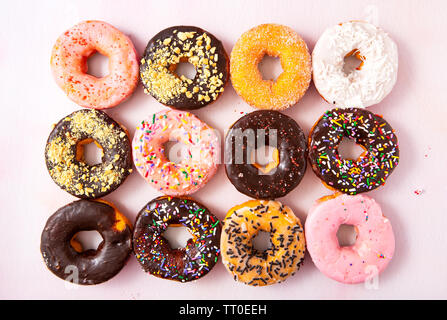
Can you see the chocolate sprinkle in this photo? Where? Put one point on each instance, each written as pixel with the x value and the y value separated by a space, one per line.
pixel 273 265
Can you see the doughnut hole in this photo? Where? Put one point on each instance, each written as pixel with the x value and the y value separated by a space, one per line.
pixel 353 61
pixel 349 149
pixel 265 159
pixel 89 151
pixel 177 236
pixel 346 235
pixel 87 241
pixel 98 65
pixel 183 69
pixel 176 151
pixel 270 67
pixel 262 241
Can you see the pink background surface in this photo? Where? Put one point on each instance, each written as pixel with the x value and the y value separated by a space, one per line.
pixel 31 102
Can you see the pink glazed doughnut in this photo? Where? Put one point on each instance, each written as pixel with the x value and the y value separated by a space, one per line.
pixel 374 246
pixel 69 65
pixel 195 168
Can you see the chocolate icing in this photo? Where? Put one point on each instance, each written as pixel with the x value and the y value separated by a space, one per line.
pixel 92 266
pixel 292 149
pixel 371 131
pixel 153 251
pixel 209 51
pixel 74 175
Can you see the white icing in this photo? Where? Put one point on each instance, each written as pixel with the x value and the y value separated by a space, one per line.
pixel 360 88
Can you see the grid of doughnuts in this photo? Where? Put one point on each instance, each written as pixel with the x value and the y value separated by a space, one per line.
pixel 348 91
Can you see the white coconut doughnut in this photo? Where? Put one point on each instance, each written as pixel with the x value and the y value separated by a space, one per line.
pixel 369 83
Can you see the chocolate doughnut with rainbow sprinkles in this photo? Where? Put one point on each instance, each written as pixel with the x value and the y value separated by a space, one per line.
pixel 178 44
pixel 155 254
pixel 371 132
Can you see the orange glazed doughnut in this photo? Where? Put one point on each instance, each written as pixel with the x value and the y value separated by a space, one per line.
pixel 276 41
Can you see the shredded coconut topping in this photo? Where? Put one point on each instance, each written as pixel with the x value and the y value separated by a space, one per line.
pixel 368 84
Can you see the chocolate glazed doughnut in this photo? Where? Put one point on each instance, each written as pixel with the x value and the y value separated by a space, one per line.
pixel 279 177
pixel 184 44
pixel 153 251
pixel 64 256
pixel 65 160
pixel 370 131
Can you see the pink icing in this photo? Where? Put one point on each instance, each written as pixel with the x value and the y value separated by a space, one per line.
pixel 374 246
pixel 69 64
pixel 194 170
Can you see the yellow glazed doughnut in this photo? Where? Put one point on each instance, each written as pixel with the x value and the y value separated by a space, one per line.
pixel 281 260
pixel 276 41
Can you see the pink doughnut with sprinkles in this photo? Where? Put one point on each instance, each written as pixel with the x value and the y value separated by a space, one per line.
pixel 69 65
pixel 374 245
pixel 201 152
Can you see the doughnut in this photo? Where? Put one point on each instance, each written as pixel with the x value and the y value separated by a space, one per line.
pixel 372 80
pixel 374 246
pixel 276 41
pixel 274 265
pixel 371 132
pixel 69 65
pixel 194 170
pixel 155 254
pixel 178 44
pixel 64 154
pixel 64 255
pixel 284 173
